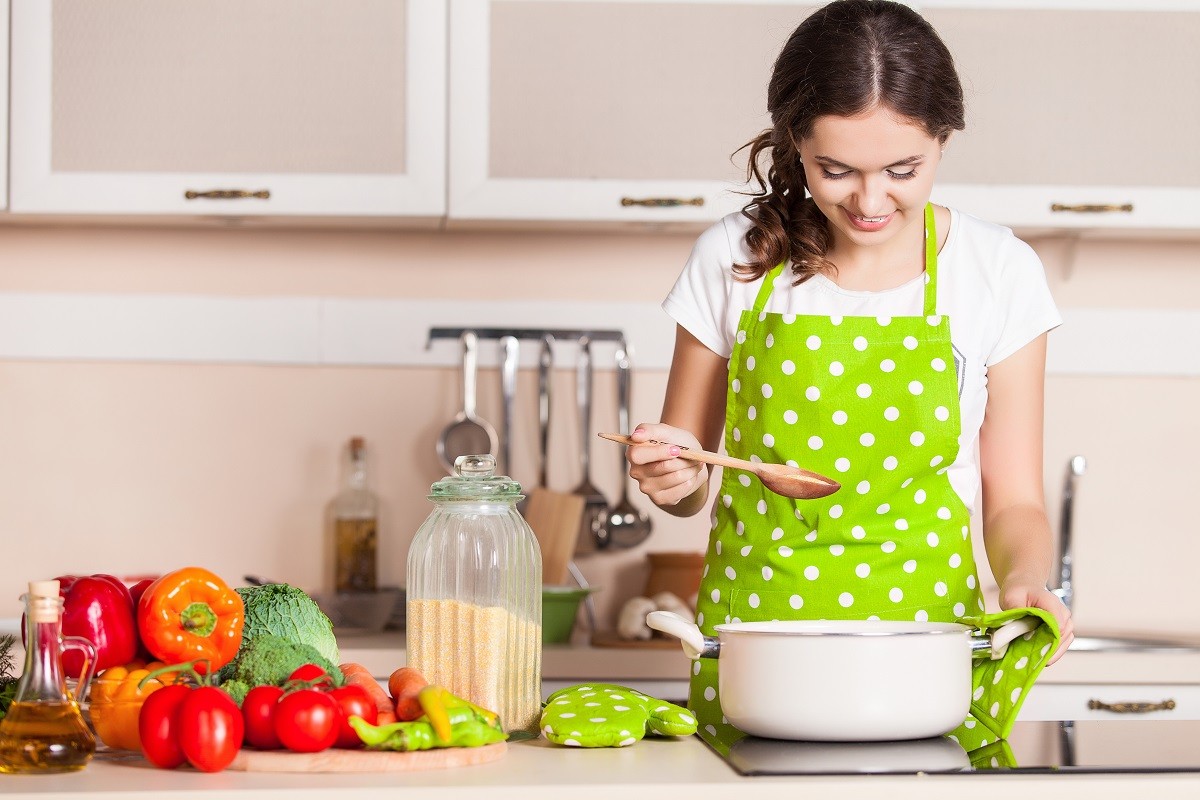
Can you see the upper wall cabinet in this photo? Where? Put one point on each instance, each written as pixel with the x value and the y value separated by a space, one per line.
pixel 3 102
pixel 1080 113
pixel 607 110
pixel 229 107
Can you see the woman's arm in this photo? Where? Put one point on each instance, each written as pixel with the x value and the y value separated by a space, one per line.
pixel 1016 531
pixel 693 416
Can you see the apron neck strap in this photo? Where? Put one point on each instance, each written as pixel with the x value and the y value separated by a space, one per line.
pixel 930 262
pixel 930 294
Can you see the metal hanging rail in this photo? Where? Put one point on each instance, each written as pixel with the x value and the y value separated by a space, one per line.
pixel 558 334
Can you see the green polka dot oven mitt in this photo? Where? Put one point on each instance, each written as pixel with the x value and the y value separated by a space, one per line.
pixel 606 715
pixel 999 686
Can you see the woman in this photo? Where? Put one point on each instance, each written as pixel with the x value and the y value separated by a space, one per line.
pixel 843 323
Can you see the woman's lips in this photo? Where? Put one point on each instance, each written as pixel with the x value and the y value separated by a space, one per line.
pixel 868 224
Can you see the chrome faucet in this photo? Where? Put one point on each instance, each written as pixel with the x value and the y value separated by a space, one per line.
pixel 1065 591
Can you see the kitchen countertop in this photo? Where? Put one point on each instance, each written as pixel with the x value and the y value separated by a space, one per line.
pixel 537 769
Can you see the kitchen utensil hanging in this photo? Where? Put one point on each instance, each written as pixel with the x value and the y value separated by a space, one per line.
pixel 466 434
pixel 553 516
pixel 592 529
pixel 626 525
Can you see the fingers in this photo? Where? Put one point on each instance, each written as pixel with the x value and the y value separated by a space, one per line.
pixel 654 463
pixel 1040 597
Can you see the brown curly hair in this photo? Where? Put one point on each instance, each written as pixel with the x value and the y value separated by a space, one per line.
pixel 847 58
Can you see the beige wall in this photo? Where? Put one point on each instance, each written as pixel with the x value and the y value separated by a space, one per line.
pixel 137 467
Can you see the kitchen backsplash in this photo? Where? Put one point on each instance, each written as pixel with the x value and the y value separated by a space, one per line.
pixel 133 467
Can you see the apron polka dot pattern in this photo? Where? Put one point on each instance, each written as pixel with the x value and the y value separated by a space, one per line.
pixel 872 402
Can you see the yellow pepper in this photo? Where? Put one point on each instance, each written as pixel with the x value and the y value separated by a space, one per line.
pixel 116 699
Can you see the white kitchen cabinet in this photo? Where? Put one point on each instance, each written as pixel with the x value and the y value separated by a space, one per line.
pixel 229 108
pixel 3 103
pixel 1080 701
pixel 1080 113
pixel 607 110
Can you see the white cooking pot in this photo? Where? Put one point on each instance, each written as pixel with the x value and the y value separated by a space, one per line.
pixel 843 681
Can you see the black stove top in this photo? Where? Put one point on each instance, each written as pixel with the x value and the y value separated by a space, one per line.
pixel 1118 745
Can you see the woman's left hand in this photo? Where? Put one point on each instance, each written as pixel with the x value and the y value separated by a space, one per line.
pixel 1035 596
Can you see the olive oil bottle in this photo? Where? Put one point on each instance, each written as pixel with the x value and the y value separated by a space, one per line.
pixel 44 730
pixel 356 526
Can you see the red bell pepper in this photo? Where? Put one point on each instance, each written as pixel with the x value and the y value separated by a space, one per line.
pixel 100 609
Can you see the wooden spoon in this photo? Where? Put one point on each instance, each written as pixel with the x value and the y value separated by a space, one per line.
pixel 782 479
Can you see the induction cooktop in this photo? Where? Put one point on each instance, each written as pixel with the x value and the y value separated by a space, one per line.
pixel 1086 746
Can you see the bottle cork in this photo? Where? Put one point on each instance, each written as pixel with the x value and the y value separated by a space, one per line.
pixel 44 604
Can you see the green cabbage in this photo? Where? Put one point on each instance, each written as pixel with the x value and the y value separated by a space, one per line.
pixel 289 613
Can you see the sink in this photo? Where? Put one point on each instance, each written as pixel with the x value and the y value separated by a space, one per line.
pixel 1134 643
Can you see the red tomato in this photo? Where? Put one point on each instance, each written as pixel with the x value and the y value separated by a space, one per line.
pixel 353 701
pixel 210 728
pixel 258 712
pixel 158 729
pixel 307 720
pixel 310 672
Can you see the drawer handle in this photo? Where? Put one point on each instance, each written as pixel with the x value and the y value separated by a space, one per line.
pixel 1131 708
pixel 227 194
pixel 662 202
pixel 1093 208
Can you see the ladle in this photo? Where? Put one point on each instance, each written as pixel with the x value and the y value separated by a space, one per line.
pixel 466 434
pixel 782 479
pixel 627 525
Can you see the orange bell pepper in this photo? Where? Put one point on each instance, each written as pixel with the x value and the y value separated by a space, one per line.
pixel 116 698
pixel 191 614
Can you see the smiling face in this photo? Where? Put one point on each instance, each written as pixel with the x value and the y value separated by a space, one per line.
pixel 871 175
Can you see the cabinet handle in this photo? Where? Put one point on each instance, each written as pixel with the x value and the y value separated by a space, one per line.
pixel 1131 708
pixel 227 194
pixel 662 202
pixel 1093 208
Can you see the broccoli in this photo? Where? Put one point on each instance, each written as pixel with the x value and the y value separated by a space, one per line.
pixel 236 689
pixel 269 660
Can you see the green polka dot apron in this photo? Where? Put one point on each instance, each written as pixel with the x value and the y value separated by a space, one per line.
pixel 872 402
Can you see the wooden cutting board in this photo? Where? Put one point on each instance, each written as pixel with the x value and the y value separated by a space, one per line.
pixel 335 760
pixel 611 639
pixel 554 518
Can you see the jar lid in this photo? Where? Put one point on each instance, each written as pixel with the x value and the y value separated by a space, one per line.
pixel 474 479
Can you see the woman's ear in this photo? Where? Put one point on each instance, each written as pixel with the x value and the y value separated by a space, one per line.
pixel 945 141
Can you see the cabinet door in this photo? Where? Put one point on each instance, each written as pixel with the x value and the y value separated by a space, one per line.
pixel 608 110
pixel 1080 701
pixel 3 103
pixel 229 107
pixel 1080 113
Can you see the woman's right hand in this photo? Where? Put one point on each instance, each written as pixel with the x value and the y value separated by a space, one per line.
pixel 661 475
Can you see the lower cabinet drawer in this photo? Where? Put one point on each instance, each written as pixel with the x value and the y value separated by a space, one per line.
pixel 1081 701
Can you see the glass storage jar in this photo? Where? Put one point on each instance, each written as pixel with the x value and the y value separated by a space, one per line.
pixel 474 594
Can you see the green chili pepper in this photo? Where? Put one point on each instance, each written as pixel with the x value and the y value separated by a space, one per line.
pixel 466 730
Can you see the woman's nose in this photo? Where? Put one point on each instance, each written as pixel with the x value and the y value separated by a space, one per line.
pixel 872 196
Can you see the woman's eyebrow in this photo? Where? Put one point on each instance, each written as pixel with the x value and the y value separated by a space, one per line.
pixel 904 162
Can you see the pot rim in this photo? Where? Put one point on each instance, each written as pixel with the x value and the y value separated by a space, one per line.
pixel 841 628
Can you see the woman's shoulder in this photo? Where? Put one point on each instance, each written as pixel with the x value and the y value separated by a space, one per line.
pixel 725 239
pixel 991 249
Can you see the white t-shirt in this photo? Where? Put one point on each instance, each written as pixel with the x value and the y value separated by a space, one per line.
pixel 990 283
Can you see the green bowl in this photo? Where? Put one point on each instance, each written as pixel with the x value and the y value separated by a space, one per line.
pixel 560 605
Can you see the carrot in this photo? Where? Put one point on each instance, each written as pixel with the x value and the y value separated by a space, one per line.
pixel 358 675
pixel 405 684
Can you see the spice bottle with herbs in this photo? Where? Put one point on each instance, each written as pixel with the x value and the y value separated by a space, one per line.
pixel 355 526
pixel 474 594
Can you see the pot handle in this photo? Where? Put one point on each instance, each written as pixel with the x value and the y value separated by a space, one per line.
pixel 995 644
pixel 695 644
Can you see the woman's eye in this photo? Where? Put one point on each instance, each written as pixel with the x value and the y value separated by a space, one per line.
pixel 833 176
pixel 902 176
